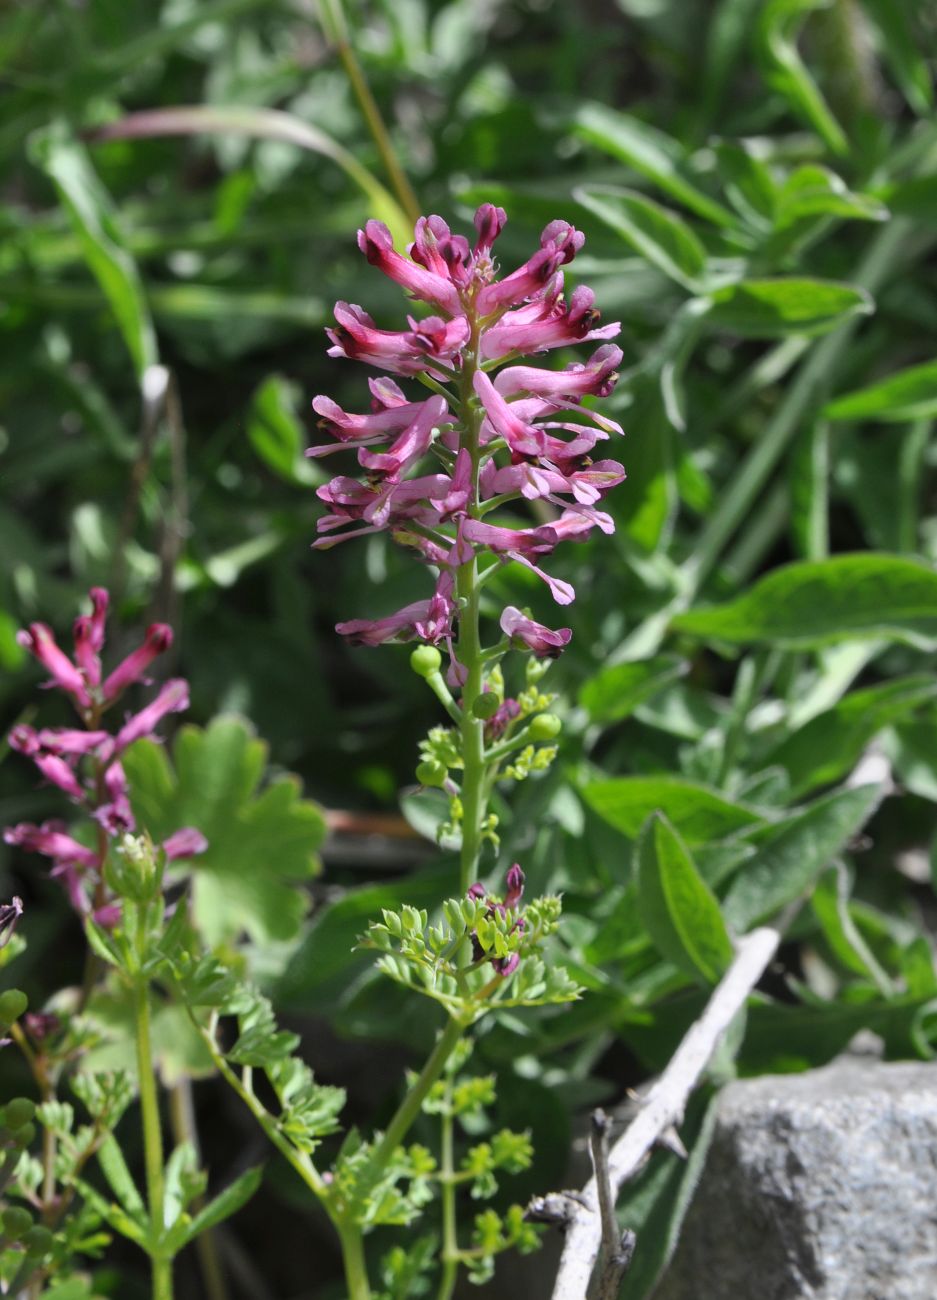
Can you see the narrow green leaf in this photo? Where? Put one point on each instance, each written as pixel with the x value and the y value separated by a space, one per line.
pixel 94 217
pixel 615 692
pixel 830 904
pixel 661 237
pixel 906 395
pixel 698 813
pixel 810 491
pixel 749 185
pixel 275 432
pixel 785 71
pixel 902 50
pixel 814 191
pixel 859 597
pixel 649 152
pixel 120 1180
pixel 829 745
pixel 224 1204
pixel 678 908
pixel 791 855
pixel 263 124
pixel 767 309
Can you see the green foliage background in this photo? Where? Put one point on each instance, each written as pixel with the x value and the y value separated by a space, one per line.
pixel 757 180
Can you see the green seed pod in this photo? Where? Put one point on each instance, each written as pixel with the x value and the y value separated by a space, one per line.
pixel 486 706
pixel 38 1240
pixel 12 1005
pixel 16 1221
pixel 18 1112
pixel 545 726
pixel 430 772
pixel 425 660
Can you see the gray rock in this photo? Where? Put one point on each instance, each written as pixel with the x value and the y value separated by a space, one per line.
pixel 819 1186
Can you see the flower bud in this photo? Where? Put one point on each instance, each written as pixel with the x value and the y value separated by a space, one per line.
pixel 545 726
pixel 485 706
pixel 16 1221
pixel 37 1240
pixel 425 660
pixel 23 1136
pixel 12 1005
pixel 431 772
pixel 18 1112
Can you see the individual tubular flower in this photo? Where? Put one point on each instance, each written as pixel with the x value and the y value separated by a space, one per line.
pixel 502 434
pixel 84 762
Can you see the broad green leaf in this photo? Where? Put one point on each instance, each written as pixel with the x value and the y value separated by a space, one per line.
pixel 276 434
pixel 262 841
pixel 224 1204
pixel 912 750
pixel 829 745
pixel 907 395
pixel 678 908
pixel 91 210
pixel 615 692
pixel 785 71
pixel 767 309
pixel 263 124
pixel 792 854
pixel 697 812
pixel 749 185
pixel 661 237
pixel 846 598
pixel 814 191
pixel 649 152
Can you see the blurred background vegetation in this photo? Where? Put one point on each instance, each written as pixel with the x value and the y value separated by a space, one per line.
pixel 706 147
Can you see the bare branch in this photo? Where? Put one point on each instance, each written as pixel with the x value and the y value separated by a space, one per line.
pixel 663 1107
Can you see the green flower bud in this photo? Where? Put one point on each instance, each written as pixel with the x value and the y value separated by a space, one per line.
pixel 545 726
pixel 23 1136
pixel 18 1112
pixel 486 706
pixel 12 1005
pixel 425 660
pixel 431 772
pixel 38 1240
pixel 16 1221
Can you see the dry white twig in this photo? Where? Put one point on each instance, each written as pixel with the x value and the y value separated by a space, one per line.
pixel 663 1107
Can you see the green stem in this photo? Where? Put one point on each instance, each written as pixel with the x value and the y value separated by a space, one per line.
pixel 447 1191
pixel 152 1142
pixel 185 1129
pixel 409 1108
pixel 353 1258
pixel 336 26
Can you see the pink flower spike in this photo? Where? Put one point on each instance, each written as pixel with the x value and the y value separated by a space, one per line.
pixel 50 840
pixel 523 631
pixel 185 843
pixel 378 247
pixel 158 640
pixel 39 640
pixel 173 698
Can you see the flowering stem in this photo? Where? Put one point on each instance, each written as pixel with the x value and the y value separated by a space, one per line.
pixel 470 650
pixel 152 1141
pixel 447 1181
pixel 353 1258
pixel 409 1108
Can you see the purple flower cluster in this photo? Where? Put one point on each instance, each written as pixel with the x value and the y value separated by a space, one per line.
pixel 85 763
pixel 510 903
pixel 500 432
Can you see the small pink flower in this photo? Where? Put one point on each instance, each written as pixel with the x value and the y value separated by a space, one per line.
pixel 51 840
pixel 185 843
pixel 40 641
pixel 376 243
pixel 157 641
pixel 545 643
pixel 173 698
